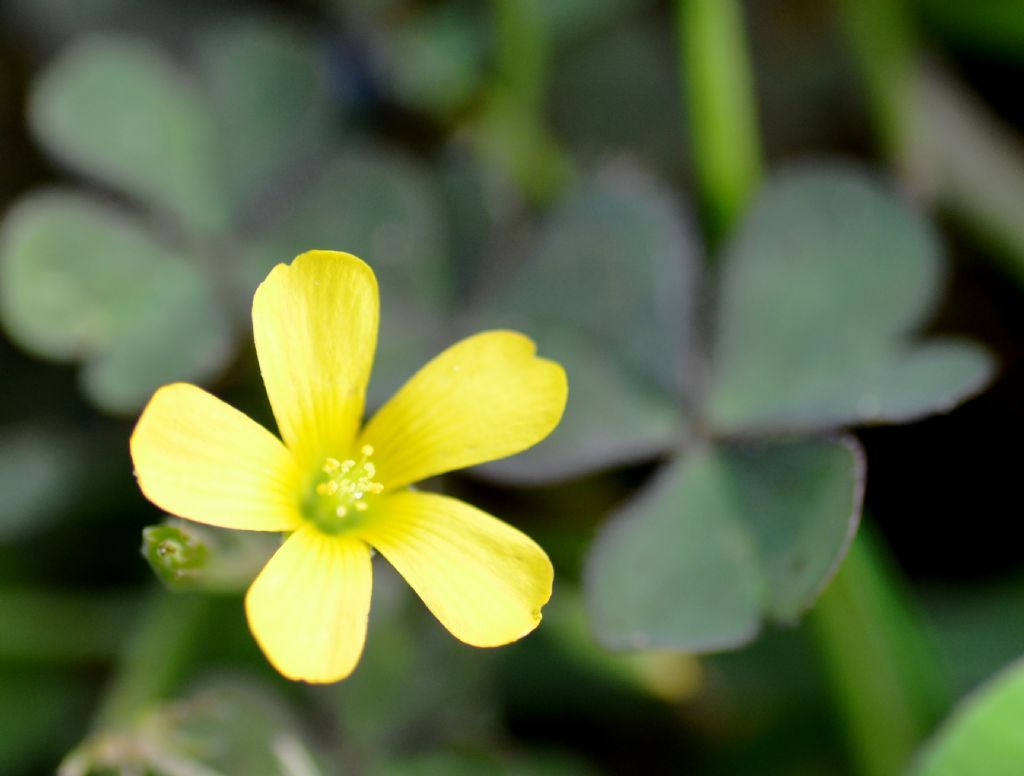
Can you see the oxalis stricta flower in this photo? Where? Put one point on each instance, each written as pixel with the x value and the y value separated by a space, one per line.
pixel 338 490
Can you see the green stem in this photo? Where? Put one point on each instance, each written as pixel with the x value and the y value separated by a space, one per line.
pixel 35 625
pixel 155 658
pixel 514 130
pixel 885 47
pixel 718 89
pixel 522 52
pixel 886 678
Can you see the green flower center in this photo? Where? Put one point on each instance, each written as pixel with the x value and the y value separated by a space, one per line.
pixel 342 491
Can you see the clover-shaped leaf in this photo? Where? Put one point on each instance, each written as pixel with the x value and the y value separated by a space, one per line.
pixel 816 301
pixel 982 736
pixel 206 151
pixel 608 291
pixel 820 290
pixel 83 281
pixel 725 537
pixel 119 111
pixel 268 102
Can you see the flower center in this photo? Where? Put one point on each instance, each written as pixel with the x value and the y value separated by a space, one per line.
pixel 342 490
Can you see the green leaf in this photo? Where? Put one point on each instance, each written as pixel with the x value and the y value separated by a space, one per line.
pixel 595 103
pixel 117 110
pixel 40 473
pixel 182 334
pixel 982 737
pixel 571 20
pixel 607 289
pixel 374 203
pixel 267 93
pixel 435 59
pixel 820 290
pixel 723 540
pixel 83 281
pixel 414 682
pixel 616 264
pixel 608 421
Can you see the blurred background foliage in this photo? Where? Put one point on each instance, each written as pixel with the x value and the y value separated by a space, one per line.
pixel 764 238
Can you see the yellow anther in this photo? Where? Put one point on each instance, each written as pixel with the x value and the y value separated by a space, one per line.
pixel 346 484
pixel 328 488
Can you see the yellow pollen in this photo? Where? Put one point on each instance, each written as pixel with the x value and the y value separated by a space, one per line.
pixel 328 488
pixel 344 489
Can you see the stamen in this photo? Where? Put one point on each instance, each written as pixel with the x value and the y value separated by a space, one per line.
pixel 328 488
pixel 347 485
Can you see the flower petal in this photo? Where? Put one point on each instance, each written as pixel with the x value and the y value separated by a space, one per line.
pixel 315 326
pixel 484 398
pixel 483 579
pixel 308 607
pixel 202 459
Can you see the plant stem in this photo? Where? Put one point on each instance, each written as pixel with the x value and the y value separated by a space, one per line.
pixel 522 52
pixel 885 676
pixel 885 47
pixel 513 128
pixel 155 658
pixel 718 90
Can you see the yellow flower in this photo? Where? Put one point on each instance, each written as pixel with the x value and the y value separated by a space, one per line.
pixel 339 490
